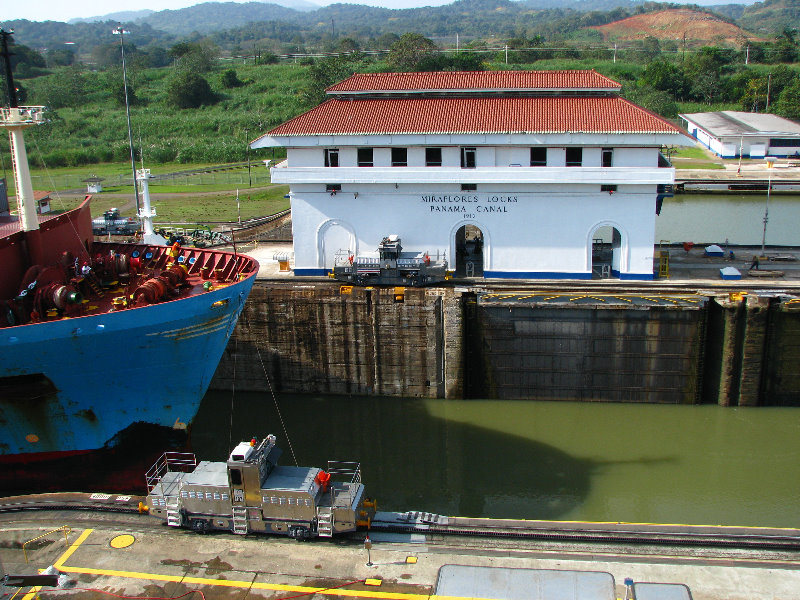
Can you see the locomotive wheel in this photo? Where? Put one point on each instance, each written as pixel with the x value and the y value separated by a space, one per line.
pixel 199 526
pixel 301 534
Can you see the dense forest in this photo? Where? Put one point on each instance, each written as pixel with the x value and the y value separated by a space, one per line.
pixel 240 28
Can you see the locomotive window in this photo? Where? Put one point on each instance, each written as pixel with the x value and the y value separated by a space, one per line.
pixel 209 496
pixel 184 494
pixel 224 496
pixel 274 499
pixel 290 501
pixel 216 495
pixel 236 477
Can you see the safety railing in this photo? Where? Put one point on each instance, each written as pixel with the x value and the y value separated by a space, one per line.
pixel 63 528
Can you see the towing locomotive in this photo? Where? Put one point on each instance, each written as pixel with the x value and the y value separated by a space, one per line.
pixel 391 266
pixel 251 493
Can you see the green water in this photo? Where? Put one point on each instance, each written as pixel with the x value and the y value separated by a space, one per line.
pixel 536 460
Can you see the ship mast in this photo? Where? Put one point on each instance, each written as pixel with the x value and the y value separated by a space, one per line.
pixel 141 176
pixel 15 118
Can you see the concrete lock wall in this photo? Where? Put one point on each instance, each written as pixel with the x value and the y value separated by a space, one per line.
pixel 443 343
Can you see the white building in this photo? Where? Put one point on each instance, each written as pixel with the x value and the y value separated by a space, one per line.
pixel 515 174
pixel 727 133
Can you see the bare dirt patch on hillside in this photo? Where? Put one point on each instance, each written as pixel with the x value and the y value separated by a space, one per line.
pixel 674 24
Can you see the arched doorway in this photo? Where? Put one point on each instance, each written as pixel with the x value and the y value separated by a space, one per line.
pixel 606 252
pixel 335 238
pixel 469 244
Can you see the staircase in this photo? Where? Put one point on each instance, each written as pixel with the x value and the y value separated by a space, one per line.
pixel 174 518
pixel 239 515
pixel 325 522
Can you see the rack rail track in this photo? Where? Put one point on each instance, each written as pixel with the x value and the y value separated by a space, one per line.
pixel 429 524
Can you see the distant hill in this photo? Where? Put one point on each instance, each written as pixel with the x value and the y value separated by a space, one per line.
pixel 125 16
pixel 271 27
pixel 771 16
pixel 674 24
pixel 216 16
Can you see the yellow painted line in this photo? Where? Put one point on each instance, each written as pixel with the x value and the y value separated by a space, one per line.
pixel 59 564
pixel 71 550
pixel 32 594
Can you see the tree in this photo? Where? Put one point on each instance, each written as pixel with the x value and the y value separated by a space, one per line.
pixel 667 77
pixel 408 51
pixel 323 74
pixel 60 57
pixel 652 99
pixel 230 79
pixel 788 104
pixel 195 56
pixel 188 89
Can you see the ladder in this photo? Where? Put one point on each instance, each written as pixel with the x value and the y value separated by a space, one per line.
pixel 174 518
pixel 239 515
pixel 325 522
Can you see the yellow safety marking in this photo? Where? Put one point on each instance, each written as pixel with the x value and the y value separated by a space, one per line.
pixel 71 550
pixel 122 541
pixel 32 594
pixel 375 582
pixel 411 560
pixel 59 564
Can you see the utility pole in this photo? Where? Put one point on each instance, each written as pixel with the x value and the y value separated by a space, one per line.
pixel 769 79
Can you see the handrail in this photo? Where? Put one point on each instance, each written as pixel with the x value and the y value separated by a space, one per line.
pixel 65 528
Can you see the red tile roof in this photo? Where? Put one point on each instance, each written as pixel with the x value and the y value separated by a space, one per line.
pixel 474 80
pixel 431 115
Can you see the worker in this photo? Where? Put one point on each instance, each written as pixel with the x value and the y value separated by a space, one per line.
pixel 754 264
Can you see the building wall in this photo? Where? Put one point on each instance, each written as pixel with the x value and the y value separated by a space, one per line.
pixel 528 231
pixel 536 222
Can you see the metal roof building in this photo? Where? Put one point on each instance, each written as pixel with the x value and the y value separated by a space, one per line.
pixel 727 133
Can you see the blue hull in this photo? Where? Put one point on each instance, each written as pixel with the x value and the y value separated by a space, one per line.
pixel 151 364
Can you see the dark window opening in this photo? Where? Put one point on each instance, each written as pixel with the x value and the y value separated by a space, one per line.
pixel 236 477
pixel 399 157
pixel 608 188
pixel 332 157
pixel 468 158
pixel 433 157
pixel 785 142
pixel 574 157
pixel 365 157
pixel 333 187
pixel 608 157
pixel 538 157
pixel 469 187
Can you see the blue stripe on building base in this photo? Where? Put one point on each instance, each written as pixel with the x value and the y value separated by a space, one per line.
pixel 510 274
pixel 312 272
pixel 534 275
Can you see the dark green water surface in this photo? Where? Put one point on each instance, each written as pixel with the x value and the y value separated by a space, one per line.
pixel 535 460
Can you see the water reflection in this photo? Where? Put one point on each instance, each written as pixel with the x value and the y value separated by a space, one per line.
pixel 536 460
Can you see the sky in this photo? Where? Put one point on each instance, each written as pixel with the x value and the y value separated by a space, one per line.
pixel 58 10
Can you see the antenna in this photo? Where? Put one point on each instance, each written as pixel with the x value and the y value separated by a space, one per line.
pixel 121 33
pixel 12 90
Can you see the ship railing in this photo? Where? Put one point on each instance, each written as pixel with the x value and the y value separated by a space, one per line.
pixel 169 461
pixel 22 115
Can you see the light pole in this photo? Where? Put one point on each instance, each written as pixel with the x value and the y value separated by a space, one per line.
pixel 770 163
